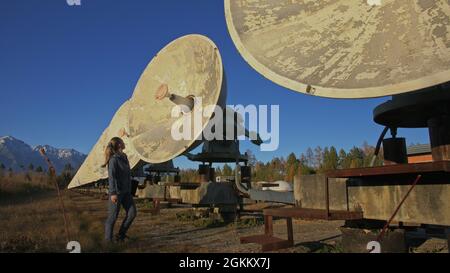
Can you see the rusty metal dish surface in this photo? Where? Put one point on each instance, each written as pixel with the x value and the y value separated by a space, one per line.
pixel 191 66
pixel 344 48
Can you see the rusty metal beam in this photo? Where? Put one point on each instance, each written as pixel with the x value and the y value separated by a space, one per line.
pixel 269 243
pixel 290 230
pixel 383 231
pixel 268 225
pixel 418 168
pixel 320 214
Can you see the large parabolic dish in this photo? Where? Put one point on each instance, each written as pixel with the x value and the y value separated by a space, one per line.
pixel 191 66
pixel 91 170
pixel 344 48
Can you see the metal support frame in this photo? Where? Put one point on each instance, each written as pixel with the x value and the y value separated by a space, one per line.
pixel 267 240
pixel 383 231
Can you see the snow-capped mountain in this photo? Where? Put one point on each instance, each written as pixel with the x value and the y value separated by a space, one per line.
pixel 16 154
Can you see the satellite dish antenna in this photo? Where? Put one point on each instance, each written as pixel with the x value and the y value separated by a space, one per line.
pixel 187 72
pixel 344 49
pixel 91 170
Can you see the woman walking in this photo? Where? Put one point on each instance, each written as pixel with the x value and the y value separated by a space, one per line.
pixel 119 178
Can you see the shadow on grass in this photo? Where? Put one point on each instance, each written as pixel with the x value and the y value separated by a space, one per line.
pixel 25 193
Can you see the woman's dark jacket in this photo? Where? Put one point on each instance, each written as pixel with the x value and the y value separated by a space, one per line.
pixel 119 175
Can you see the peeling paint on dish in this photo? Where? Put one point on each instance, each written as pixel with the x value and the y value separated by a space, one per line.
pixel 344 48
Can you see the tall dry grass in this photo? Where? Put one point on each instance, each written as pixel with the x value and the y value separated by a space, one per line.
pixel 31 218
pixel 23 184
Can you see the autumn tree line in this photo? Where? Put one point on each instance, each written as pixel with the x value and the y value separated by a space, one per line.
pixel 312 161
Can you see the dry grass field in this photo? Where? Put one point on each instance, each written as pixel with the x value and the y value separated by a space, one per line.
pixel 31 221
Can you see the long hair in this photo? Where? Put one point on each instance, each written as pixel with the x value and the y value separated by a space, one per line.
pixel 112 148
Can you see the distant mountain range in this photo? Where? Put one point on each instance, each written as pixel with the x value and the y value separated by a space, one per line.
pixel 16 154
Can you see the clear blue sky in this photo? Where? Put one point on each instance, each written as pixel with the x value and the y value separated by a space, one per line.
pixel 65 70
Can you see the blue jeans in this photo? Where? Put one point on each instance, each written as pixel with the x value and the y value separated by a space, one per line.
pixel 125 200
